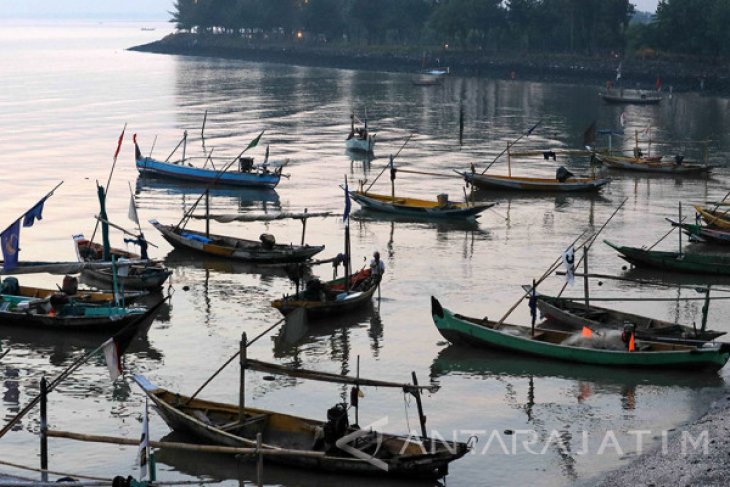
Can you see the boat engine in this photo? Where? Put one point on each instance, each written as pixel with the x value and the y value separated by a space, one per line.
pixel 70 285
pixel 245 164
pixel 267 241
pixel 563 174
pixel 10 286
pixel 336 425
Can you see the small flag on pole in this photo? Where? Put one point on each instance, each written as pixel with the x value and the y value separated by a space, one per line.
pixel 133 209
pixel 569 262
pixel 10 240
pixel 35 213
pixel 618 72
pixel 113 358
pixel 119 143
pixel 255 141
pixel 622 119
pixel 144 446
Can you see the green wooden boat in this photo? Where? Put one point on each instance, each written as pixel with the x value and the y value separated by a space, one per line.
pixel 691 263
pixel 549 344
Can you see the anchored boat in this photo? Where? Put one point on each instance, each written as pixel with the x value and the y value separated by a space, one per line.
pixel 552 344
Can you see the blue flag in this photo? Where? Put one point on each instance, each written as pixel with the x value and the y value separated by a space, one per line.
pixel 346 215
pixel 35 213
pixel 10 240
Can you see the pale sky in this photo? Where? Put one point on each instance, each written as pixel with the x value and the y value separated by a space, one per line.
pixel 126 9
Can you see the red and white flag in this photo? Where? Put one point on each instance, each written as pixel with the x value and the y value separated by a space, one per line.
pixel 119 144
pixel 113 358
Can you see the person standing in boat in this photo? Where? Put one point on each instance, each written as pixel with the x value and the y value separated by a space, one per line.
pixel 377 266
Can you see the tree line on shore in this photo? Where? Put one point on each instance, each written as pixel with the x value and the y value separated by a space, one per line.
pixel 696 27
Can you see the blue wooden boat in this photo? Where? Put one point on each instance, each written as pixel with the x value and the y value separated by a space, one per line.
pixel 246 174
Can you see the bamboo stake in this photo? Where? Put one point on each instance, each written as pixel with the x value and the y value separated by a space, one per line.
pixel 643 282
pixel 184 446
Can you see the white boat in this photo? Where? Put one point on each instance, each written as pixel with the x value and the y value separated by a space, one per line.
pixel 360 139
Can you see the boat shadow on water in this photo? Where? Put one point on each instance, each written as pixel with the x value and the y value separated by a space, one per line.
pixel 152 188
pixel 220 467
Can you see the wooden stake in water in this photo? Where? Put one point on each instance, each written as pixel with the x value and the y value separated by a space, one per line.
pixel 585 276
pixel 680 231
pixel 44 429
pixel 242 388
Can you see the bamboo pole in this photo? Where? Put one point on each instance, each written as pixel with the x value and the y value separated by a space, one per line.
pixel 242 385
pixel 387 166
pixel 509 145
pixel 113 440
pixel 643 282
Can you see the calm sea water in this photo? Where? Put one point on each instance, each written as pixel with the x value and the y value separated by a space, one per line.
pixel 68 89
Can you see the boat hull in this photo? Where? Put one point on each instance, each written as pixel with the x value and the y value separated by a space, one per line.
pixel 236 249
pixel 673 261
pixel 115 320
pixel 417 208
pixel 642 99
pixel 316 309
pixel 152 167
pixel 632 164
pixel 485 181
pixel 300 430
pixel 361 145
pixel 459 329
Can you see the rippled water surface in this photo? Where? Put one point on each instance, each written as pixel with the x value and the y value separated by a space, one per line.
pixel 67 91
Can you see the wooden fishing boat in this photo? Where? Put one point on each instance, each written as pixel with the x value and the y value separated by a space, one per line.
pixel 81 295
pixel 235 248
pixel 692 263
pixel 419 208
pixel 324 299
pixel 702 233
pixel 630 97
pixel 359 139
pixel 310 444
pixel 63 313
pixel 714 218
pixel 576 315
pixel 246 173
pixel 548 343
pixel 139 274
pixel 513 183
pixel 654 164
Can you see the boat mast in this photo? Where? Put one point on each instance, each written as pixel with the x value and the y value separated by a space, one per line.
pixel 103 218
pixel 417 394
pixel 680 230
pixel 207 213
pixel 392 178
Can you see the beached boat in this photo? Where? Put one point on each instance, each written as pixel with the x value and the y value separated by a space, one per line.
pixel 359 139
pixel 61 312
pixel 576 315
pixel 513 183
pixel 324 299
pixel 419 208
pixel 652 164
pixel 263 251
pixel 245 174
pixel 714 217
pixel 135 272
pixel 551 344
pixel 692 263
pixel 332 446
pixel 631 97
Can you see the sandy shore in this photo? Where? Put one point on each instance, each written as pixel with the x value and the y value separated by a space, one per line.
pixel 697 454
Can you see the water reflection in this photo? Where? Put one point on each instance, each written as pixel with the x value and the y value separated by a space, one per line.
pixel 157 193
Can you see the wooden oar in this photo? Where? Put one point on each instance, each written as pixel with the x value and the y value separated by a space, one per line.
pixel 510 144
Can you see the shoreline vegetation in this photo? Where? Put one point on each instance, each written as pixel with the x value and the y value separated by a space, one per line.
pixel 682 74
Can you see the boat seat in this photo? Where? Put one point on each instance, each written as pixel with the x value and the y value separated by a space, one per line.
pixel 251 420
